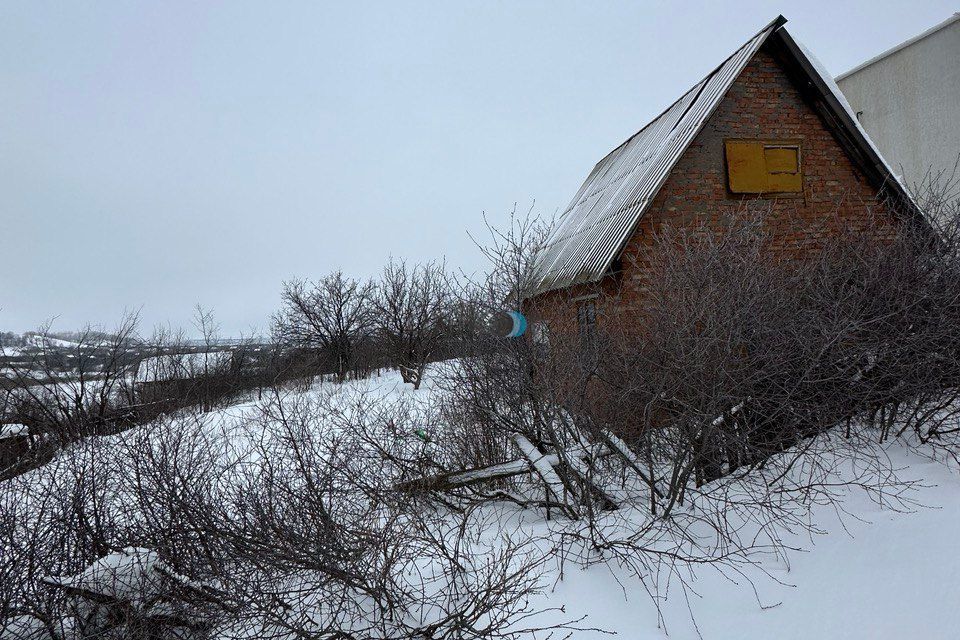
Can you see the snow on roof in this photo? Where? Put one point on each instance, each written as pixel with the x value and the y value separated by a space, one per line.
pixel 42 341
pixel 603 214
pixel 851 114
pixel 182 366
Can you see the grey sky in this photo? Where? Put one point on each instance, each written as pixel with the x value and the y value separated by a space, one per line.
pixel 165 154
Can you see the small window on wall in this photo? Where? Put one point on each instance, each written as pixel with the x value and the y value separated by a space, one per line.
pixel 764 166
pixel 587 318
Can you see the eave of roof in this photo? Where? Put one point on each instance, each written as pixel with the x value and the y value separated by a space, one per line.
pixel 853 133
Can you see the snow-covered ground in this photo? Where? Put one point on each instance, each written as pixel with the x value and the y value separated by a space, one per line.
pixel 42 342
pixel 871 572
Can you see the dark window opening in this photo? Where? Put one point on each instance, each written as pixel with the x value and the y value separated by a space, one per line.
pixel 587 318
pixel 587 324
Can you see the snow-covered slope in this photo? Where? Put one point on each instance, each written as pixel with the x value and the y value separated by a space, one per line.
pixel 42 341
pixel 870 572
pixel 874 573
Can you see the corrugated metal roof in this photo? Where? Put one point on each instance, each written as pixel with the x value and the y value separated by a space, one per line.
pixel 602 215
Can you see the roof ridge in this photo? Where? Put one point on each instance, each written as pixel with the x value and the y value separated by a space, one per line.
pixel 607 205
pixel 773 25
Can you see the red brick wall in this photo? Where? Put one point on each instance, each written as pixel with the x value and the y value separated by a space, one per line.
pixel 762 103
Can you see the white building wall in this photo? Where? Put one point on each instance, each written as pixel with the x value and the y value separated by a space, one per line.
pixel 908 100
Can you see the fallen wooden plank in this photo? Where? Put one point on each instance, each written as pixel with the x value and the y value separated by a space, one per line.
pixel 630 458
pixel 455 479
pixel 582 470
pixel 547 466
pixel 543 465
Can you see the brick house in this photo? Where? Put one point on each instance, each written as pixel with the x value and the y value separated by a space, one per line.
pixel 767 130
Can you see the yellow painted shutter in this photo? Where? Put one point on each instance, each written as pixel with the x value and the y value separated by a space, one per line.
pixel 746 169
pixel 763 166
pixel 783 169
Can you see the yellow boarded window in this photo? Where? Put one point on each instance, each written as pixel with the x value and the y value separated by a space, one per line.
pixel 764 166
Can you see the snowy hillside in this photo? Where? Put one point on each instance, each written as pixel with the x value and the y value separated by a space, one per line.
pixel 867 571
pixel 43 342
pixel 873 573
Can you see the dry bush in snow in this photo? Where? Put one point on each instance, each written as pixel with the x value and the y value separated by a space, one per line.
pixel 330 318
pixel 410 313
pixel 283 524
pixel 747 389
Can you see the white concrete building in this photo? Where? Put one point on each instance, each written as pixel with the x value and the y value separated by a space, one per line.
pixel 908 100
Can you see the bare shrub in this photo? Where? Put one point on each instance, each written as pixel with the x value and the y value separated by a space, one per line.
pixel 329 318
pixel 288 519
pixel 67 392
pixel 746 389
pixel 411 316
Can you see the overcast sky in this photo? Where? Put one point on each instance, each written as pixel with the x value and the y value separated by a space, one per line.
pixel 158 155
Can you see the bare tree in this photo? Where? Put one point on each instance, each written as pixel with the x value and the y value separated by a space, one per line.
pixel 330 318
pixel 412 315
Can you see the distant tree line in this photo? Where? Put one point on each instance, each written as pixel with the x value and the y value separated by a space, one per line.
pixel 29 338
pixel 11 339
